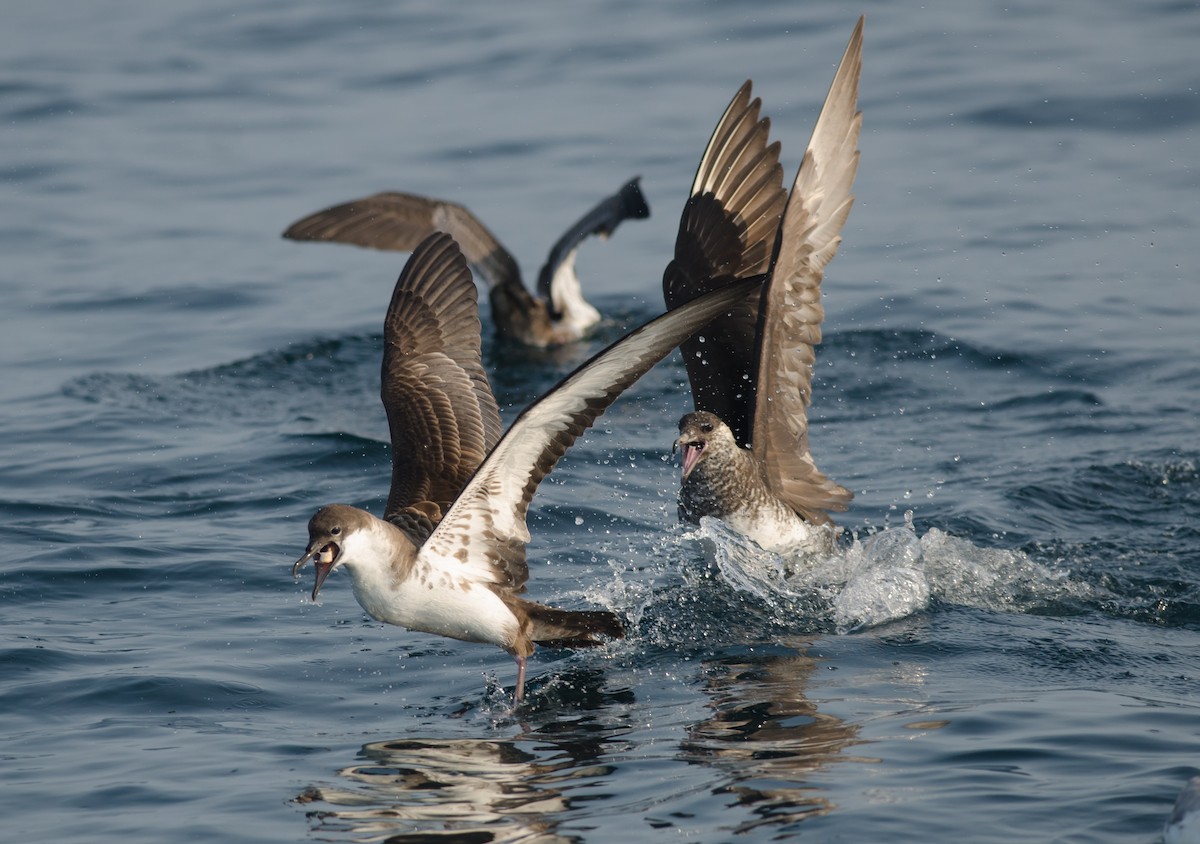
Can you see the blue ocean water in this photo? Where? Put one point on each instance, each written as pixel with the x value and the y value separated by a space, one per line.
pixel 1006 649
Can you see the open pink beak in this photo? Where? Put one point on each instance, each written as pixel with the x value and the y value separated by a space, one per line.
pixel 691 455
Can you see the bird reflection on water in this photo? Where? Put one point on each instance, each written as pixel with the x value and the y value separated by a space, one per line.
pixel 479 790
pixel 763 739
pixel 474 790
pixel 768 738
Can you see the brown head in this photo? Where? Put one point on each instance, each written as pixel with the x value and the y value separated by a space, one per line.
pixel 327 532
pixel 700 434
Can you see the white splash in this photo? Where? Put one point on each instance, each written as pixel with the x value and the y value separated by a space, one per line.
pixel 885 576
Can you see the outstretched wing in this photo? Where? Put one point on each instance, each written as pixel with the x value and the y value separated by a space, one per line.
pixel 399 221
pixel 791 319
pixel 727 231
pixel 440 409
pixel 626 204
pixel 485 529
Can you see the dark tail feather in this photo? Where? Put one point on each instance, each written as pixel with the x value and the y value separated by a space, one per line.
pixel 569 629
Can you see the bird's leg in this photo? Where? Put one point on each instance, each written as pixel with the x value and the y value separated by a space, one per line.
pixel 520 692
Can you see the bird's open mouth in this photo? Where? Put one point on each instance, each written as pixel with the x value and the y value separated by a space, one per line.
pixel 691 455
pixel 323 559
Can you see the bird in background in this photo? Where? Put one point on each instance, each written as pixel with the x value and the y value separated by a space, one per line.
pixel 745 448
pixel 448 556
pixel 557 314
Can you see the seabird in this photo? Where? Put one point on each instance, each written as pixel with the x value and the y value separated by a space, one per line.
pixel 745 450
pixel 399 221
pixel 448 557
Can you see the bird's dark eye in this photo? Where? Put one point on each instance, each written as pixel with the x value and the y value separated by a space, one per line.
pixel 335 531
pixel 706 427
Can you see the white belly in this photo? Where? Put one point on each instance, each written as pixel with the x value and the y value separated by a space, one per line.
pixel 782 531
pixel 464 610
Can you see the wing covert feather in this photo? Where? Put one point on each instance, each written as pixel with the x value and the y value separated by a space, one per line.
pixel 441 412
pixel 400 221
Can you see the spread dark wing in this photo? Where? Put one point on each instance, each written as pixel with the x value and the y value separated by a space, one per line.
pixel 484 534
pixel 440 409
pixel 816 211
pixel 727 231
pixel 627 203
pixel 400 221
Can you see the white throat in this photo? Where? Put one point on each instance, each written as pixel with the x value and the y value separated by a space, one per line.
pixel 369 556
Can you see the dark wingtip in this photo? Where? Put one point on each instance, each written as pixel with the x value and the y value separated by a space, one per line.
pixel 633 202
pixel 302 229
pixel 605 623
